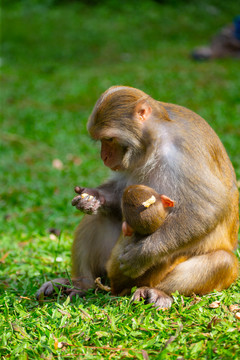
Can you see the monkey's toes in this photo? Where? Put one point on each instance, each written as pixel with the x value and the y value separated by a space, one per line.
pixel 153 296
pixel 72 293
pixel 46 289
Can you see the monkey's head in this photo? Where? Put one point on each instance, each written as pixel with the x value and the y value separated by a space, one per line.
pixel 118 120
pixel 144 210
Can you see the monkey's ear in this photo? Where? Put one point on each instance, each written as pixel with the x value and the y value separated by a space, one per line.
pixel 126 229
pixel 143 110
pixel 166 201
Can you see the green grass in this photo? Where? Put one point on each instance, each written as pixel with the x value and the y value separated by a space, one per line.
pixel 55 62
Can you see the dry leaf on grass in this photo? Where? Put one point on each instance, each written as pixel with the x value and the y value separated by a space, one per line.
pixel 237 315
pixel 76 160
pixel 215 304
pixel 234 307
pixel 57 164
pixel 3 258
pixel 63 312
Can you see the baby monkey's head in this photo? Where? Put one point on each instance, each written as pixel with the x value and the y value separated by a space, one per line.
pixel 144 210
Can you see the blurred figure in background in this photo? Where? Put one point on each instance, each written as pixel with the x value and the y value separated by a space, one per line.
pixel 225 44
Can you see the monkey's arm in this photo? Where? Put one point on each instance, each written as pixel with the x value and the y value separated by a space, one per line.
pixel 141 253
pixel 196 215
pixel 105 199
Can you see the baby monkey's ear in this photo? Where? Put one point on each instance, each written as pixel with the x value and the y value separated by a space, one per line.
pixel 166 201
pixel 126 229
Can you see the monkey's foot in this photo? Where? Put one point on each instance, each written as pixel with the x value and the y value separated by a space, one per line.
pixel 71 289
pixel 153 296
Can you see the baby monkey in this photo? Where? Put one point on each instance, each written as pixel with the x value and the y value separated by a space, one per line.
pixel 144 210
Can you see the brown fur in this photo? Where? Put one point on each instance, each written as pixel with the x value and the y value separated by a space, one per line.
pixel 175 152
pixel 144 220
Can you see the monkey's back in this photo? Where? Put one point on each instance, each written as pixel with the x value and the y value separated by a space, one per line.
pixel 203 158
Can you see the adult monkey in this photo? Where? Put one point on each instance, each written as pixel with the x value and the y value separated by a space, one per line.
pixel 174 151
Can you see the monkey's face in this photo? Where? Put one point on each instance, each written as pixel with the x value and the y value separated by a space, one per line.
pixel 118 121
pixel 112 154
pixel 122 144
pixel 119 154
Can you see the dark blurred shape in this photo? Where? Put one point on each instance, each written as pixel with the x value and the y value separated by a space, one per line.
pixel 7 217
pixel 54 231
pixel 225 44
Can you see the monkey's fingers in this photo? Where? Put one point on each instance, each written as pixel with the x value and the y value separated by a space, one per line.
pixel 76 200
pixel 89 205
pixel 126 266
pixel 86 203
pixel 78 189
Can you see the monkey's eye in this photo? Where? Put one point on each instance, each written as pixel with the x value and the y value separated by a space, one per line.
pixel 109 139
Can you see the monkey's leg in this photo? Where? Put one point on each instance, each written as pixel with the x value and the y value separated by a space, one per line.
pixel 92 246
pixel 202 274
pixel 94 240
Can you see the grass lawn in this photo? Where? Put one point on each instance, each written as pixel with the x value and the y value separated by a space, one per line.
pixel 56 60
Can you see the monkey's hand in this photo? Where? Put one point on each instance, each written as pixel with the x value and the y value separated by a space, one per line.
pixel 88 200
pixel 134 259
